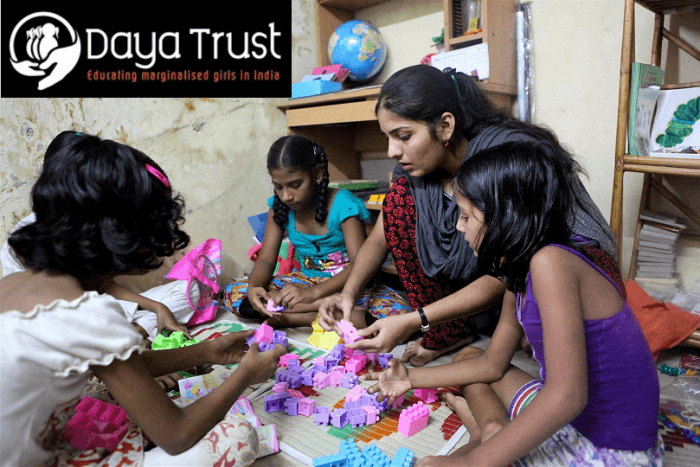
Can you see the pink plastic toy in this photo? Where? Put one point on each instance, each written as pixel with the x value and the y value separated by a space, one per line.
pixel 350 335
pixel 356 363
pixel 355 393
pixel 274 308
pixel 286 360
pixel 321 380
pixel 264 334
pixel 426 395
pixel 306 407
pixel 413 419
pixel 372 414
pixel 96 424
pixel 398 402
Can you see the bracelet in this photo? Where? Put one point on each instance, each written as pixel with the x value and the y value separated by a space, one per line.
pixel 424 320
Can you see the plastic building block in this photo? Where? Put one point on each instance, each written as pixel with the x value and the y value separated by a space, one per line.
pixel 328 340
pixel 306 407
pixel 264 334
pixel 426 395
pixel 333 460
pixel 375 457
pixel 350 335
pixel 348 352
pixel 348 447
pixel 355 393
pixel 357 417
pixel 321 380
pixel 274 308
pixel 398 402
pixel 315 338
pixel 339 418
pixel 371 413
pixel 404 457
pixel 291 406
pixel 275 402
pixel 319 361
pixel 284 359
pixel 322 415
pixel 331 362
pixel 335 379
pixel 381 406
pixel 383 359
pixel 413 419
pixel 280 337
pixel 175 340
pixel 307 377
pixel 349 380
pixel 280 387
pixel 356 363
pixel 96 424
pixel 295 393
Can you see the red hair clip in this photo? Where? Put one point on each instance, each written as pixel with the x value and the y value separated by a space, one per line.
pixel 158 174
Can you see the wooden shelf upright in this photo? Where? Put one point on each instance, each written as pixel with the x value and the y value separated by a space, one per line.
pixel 654 168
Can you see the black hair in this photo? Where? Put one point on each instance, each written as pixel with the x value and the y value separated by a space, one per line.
pixel 299 153
pixel 526 192
pixel 99 211
pixel 423 93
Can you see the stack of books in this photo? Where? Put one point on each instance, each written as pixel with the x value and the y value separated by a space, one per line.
pixel 656 249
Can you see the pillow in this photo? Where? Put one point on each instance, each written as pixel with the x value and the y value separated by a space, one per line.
pixel 665 325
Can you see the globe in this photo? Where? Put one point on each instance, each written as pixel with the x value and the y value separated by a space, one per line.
pixel 359 47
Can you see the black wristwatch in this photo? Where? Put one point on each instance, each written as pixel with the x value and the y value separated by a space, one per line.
pixel 424 326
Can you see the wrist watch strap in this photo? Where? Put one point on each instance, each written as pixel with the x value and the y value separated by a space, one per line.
pixel 424 320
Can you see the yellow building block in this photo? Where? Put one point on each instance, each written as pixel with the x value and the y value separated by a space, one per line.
pixel 315 338
pixel 329 340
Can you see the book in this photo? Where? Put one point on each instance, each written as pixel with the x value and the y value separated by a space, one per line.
pixel 645 83
pixel 676 129
pixel 665 219
pixel 652 231
pixel 655 245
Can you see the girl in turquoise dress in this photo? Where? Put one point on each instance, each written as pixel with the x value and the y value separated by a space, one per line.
pixel 325 226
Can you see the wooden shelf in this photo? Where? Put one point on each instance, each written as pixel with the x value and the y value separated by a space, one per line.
pixel 653 167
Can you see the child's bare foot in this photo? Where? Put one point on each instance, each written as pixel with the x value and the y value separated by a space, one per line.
pixel 459 405
pixel 416 355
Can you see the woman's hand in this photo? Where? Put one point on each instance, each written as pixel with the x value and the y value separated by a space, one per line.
pixel 166 320
pixel 334 308
pixel 384 334
pixel 393 382
pixel 260 366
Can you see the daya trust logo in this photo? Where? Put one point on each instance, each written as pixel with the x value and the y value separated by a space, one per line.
pixel 35 50
pixel 45 46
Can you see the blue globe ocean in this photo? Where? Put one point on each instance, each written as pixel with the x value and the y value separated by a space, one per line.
pixel 359 47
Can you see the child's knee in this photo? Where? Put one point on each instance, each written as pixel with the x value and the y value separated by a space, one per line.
pixel 491 428
pixel 467 353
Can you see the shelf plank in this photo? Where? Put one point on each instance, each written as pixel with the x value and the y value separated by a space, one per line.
pixel 664 165
pixel 350 5
pixel 669 6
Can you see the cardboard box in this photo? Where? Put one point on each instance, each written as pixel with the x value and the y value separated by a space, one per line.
pixel 313 88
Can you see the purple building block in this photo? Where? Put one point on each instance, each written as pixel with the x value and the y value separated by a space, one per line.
pixel 383 359
pixel 349 380
pixel 357 417
pixel 275 402
pixel 331 362
pixel 307 378
pixel 274 308
pixel 291 406
pixel 381 406
pixel 339 418
pixel 280 337
pixel 322 415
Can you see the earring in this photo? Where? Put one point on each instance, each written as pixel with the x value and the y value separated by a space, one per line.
pixel 446 143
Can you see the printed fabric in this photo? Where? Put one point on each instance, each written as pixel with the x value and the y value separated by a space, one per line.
pixel 421 289
pixel 568 448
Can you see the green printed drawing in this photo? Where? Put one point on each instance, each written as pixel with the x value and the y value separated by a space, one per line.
pixel 681 125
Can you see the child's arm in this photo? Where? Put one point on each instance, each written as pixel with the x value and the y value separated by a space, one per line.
pixel 555 282
pixel 165 317
pixel 486 368
pixel 173 428
pixel 354 234
pixel 265 265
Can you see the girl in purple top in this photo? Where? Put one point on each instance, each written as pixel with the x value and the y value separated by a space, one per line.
pixel 596 401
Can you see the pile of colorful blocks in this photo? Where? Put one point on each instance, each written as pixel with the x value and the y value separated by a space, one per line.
pixel 96 424
pixel 350 455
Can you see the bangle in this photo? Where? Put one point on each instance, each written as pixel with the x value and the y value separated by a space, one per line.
pixel 424 320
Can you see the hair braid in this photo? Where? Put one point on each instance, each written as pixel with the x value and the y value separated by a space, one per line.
pixel 322 189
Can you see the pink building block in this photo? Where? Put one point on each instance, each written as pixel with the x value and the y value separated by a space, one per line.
pixel 413 419
pixel 350 335
pixel 96 424
pixel 286 360
pixel 280 387
pixel 335 379
pixel 274 308
pixel 321 380
pixel 306 406
pixel 355 393
pixel 356 363
pixel 320 361
pixel 398 402
pixel 372 414
pixel 295 393
pixel 348 352
pixel 426 395
pixel 264 334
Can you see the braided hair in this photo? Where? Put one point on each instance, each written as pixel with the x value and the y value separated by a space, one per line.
pixel 300 153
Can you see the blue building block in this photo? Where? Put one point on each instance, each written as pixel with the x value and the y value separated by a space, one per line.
pixel 404 458
pixel 348 447
pixel 374 457
pixel 334 460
